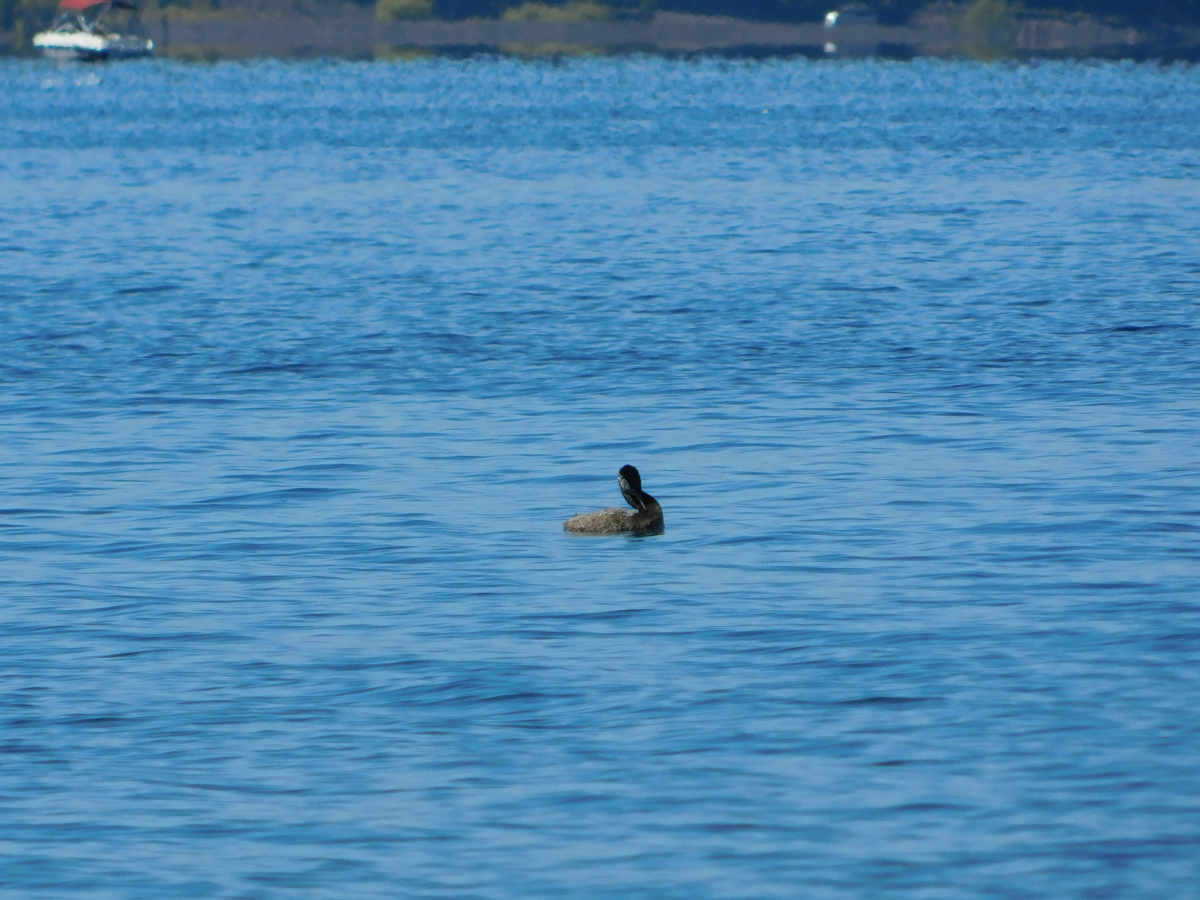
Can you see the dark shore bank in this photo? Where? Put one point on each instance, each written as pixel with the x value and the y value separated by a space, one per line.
pixel 350 31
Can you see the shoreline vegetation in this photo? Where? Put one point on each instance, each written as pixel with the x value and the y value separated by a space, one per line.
pixel 398 29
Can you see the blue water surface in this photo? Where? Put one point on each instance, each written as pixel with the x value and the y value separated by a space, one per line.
pixel 302 366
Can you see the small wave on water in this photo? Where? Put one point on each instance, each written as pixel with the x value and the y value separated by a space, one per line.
pixel 303 365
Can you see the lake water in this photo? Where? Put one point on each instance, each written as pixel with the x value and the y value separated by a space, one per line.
pixel 302 366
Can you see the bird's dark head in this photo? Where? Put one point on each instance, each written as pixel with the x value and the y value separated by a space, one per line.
pixel 630 481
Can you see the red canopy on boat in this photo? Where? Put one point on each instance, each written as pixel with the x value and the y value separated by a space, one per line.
pixel 80 4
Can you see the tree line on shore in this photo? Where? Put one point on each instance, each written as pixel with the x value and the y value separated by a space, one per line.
pixel 20 18
pixel 1142 13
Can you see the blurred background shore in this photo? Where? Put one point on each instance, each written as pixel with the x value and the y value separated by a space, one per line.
pixel 233 29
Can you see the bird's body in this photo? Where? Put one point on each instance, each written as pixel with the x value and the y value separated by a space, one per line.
pixel 614 520
pixel 646 517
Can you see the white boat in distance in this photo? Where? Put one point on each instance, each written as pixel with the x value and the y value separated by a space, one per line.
pixel 79 33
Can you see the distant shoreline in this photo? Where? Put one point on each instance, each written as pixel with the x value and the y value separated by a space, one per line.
pixel 355 33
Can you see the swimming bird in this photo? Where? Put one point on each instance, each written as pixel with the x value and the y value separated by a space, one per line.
pixel 646 517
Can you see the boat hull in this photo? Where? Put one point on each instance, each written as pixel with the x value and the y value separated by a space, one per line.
pixel 79 45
